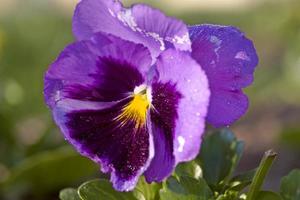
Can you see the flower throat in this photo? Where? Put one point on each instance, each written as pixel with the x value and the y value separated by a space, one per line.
pixel 136 109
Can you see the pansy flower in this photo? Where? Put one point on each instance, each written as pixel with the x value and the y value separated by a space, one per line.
pixel 134 91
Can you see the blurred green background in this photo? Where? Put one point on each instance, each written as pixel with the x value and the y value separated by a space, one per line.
pixel 36 162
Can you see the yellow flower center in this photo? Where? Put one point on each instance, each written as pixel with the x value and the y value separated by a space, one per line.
pixel 136 109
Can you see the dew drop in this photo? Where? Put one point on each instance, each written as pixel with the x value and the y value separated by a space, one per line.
pixel 181 142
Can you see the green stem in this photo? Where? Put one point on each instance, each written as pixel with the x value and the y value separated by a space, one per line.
pixel 261 173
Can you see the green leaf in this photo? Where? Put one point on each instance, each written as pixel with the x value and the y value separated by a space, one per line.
pixel 191 169
pixel 239 182
pixel 185 188
pixel 290 186
pixel 267 195
pixel 229 195
pixel 101 189
pixel 261 173
pixel 149 191
pixel 69 194
pixel 219 155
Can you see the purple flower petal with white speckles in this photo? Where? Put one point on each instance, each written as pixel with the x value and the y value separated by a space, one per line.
pixel 180 100
pixel 77 73
pixel 229 60
pixel 87 91
pixel 139 24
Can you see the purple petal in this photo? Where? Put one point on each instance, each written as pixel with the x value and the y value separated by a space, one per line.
pixel 229 60
pixel 94 70
pixel 180 105
pixel 139 24
pixel 87 88
pixel 92 128
pixel 165 99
